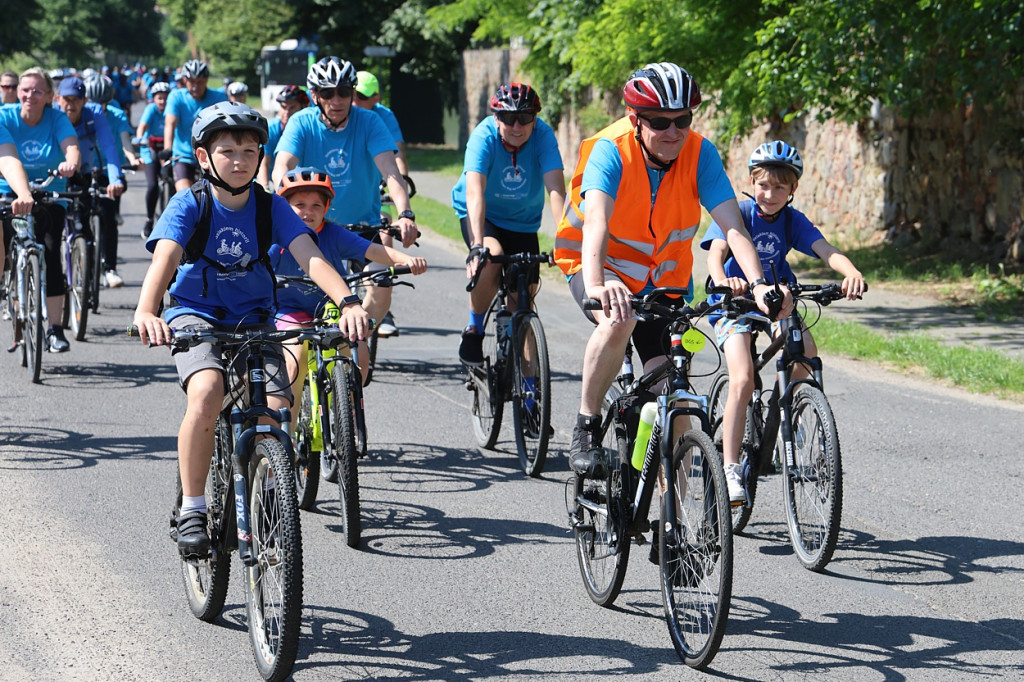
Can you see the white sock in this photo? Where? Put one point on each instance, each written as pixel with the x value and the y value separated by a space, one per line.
pixel 191 504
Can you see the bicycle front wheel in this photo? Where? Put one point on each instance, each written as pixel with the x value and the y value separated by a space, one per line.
pixel 76 307
pixel 33 330
pixel 343 420
pixel 740 513
pixel 531 398
pixel 813 480
pixel 485 383
pixel 273 584
pixel 307 461
pixel 96 271
pixel 696 559
pixel 206 580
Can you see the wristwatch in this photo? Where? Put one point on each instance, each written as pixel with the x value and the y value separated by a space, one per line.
pixel 407 214
pixel 756 283
pixel 349 300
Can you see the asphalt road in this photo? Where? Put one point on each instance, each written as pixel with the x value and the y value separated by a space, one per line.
pixel 467 569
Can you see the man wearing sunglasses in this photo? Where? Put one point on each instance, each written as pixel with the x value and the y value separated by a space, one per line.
pixel 355 148
pixel 634 209
pixel 368 97
pixel 512 162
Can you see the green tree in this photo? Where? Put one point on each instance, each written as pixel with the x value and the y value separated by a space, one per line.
pixel 72 32
pixel 13 36
pixel 230 34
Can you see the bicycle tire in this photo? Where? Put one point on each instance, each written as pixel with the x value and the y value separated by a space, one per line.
pixel 206 581
pixel 602 547
pixel 32 333
pixel 748 450
pixel 10 294
pixel 343 422
pixel 273 584
pixel 76 305
pixel 97 259
pixel 813 487
pixel 532 425
pixel 371 351
pixel 696 568
pixel 486 385
pixel 307 461
pixel 328 461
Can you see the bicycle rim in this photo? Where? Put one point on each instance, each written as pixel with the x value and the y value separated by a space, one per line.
pixel 76 310
pixel 814 485
pixel 273 585
pixel 345 451
pixel 740 514
pixel 10 308
pixel 485 383
pixel 696 561
pixel 307 461
pixel 206 581
pixel 531 409
pixel 32 333
pixel 96 272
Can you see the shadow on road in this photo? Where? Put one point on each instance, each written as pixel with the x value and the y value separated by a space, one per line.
pixel 35 448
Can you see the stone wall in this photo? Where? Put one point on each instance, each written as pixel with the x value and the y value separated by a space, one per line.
pixel 953 181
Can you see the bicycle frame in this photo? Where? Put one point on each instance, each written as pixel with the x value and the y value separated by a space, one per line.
pixel 24 244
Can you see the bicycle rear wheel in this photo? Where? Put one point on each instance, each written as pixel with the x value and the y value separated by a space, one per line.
pixel 32 333
pixel 740 513
pixel 343 420
pixel 598 519
pixel 206 581
pixel 307 461
pixel 813 480
pixel 273 584
pixel 696 560
pixel 486 385
pixel 76 307
pixel 96 271
pixel 531 397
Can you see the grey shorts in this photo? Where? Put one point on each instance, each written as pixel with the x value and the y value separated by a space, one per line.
pixel 208 356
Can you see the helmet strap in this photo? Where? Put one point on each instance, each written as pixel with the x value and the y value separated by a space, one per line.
pixel 327 121
pixel 768 217
pixel 514 150
pixel 661 165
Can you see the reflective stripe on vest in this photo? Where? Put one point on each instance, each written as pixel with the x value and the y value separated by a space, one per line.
pixel 645 241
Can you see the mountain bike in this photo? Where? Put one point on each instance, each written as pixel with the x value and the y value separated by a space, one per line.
pixel 79 254
pixel 515 366
pixel 372 233
pixel 330 431
pixel 694 538
pixel 251 474
pixel 808 452
pixel 92 208
pixel 24 281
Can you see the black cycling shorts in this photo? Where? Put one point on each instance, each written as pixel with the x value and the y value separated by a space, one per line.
pixel 511 242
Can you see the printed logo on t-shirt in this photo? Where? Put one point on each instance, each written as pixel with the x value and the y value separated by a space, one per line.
pixel 513 178
pixel 337 162
pixel 231 251
pixel 32 150
pixel 769 246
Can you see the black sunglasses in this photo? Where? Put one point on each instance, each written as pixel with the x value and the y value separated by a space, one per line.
pixel 343 92
pixel 663 122
pixel 524 118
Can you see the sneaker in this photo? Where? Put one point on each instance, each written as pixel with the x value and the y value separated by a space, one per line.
pixel 118 219
pixel 55 340
pixel 113 279
pixel 147 229
pixel 734 481
pixel 471 350
pixel 387 326
pixel 586 456
pixel 193 539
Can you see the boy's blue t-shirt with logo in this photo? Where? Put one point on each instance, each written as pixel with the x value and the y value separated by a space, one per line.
pixel 39 145
pixel 346 156
pixel 337 244
pixel 181 104
pixel 514 196
pixel 239 294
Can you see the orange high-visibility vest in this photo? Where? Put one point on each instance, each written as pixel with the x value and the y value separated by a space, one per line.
pixel 644 241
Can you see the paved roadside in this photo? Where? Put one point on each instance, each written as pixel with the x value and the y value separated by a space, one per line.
pixel 881 309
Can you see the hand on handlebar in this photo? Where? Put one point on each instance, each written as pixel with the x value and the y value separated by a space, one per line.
pixel 66 169
pixel 115 190
pixel 737 284
pixel 409 231
pixel 417 264
pixel 772 308
pixel 153 330
pixel 22 205
pixel 354 322
pixel 614 298
pixel 477 254
pixel 854 287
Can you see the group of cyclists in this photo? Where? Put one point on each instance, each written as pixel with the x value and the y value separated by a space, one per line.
pixel 626 224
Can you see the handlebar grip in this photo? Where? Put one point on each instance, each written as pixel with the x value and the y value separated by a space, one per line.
pixel 401 270
pixel 133 330
pixel 591 304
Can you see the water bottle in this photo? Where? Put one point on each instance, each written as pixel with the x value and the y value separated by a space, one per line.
pixel 503 323
pixel 648 415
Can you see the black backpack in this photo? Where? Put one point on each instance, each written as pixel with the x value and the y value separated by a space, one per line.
pixel 197 242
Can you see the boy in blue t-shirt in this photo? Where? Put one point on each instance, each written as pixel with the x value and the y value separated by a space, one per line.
pixel 227 288
pixel 775 228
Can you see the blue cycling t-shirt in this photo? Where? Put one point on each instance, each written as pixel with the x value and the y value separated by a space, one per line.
pixel 181 104
pixel 773 241
pixel 39 145
pixel 390 121
pixel 5 137
pixel 242 293
pixel 347 157
pixel 514 196
pixel 154 120
pixel 118 122
pixel 97 143
pixel 337 244
pixel 274 129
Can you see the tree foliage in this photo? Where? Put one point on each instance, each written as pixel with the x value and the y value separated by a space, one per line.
pixel 72 32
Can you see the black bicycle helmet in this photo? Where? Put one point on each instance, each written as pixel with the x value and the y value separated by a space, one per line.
pixel 195 68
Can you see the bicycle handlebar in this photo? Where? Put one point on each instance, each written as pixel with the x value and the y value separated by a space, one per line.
pixel 523 258
pixel 186 338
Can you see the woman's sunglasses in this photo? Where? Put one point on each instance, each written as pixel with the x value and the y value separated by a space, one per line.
pixel 343 92
pixel 663 122
pixel 524 118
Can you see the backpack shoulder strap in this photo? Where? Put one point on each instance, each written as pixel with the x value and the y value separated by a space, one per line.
pixel 197 242
pixel 264 222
